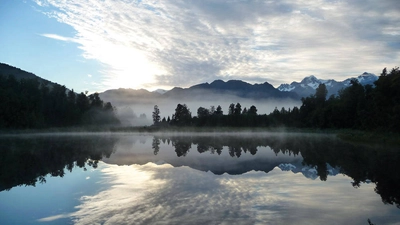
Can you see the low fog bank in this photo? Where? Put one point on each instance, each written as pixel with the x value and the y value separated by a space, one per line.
pixel 139 113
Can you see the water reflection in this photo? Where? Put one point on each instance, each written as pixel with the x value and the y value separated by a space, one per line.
pixel 324 153
pixel 148 187
pixel 28 160
pixel 162 194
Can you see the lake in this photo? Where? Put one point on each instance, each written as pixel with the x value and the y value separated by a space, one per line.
pixel 196 178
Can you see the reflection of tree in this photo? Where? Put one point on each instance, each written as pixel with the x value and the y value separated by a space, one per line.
pixel 182 146
pixel 26 161
pixel 235 150
pixel 156 145
pixel 361 163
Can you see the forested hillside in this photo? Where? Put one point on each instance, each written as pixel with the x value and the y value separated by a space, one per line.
pixel 28 103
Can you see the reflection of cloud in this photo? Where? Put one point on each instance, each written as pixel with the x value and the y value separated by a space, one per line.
pixel 161 194
pixel 181 43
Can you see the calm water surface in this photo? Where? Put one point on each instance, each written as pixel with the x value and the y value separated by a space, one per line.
pixel 196 179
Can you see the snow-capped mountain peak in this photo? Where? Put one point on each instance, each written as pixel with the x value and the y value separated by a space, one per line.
pixel 367 78
pixel 309 84
pixel 286 87
pixel 364 79
pixel 160 91
pixel 310 79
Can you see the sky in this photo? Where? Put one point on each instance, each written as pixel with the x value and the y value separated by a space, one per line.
pixel 97 45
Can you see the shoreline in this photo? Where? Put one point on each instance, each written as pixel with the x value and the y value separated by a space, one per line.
pixel 353 136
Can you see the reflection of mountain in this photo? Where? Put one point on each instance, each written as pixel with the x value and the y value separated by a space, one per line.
pixel 28 160
pixel 308 171
pixel 230 154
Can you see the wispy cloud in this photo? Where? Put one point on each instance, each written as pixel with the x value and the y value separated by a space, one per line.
pixel 180 43
pixel 60 38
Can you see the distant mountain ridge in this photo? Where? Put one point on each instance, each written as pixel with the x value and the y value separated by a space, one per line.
pixel 226 90
pixel 308 85
pixel 231 87
pixel 216 90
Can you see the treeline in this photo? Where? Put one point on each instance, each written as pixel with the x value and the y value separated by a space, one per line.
pixel 28 103
pixel 355 107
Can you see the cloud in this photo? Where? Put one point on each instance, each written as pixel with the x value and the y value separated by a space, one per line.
pixel 181 43
pixel 53 218
pixel 59 37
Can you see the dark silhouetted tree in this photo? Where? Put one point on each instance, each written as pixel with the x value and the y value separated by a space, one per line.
pixel 231 110
pixel 182 116
pixel 156 115
pixel 252 111
pixel 219 110
pixel 238 109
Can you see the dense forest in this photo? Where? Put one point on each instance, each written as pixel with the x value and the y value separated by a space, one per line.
pixel 28 103
pixel 355 107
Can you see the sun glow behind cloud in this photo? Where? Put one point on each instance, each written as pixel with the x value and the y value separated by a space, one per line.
pixel 180 43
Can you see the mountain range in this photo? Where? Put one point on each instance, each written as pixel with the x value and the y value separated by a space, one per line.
pixel 227 91
pixel 217 90
pixel 231 87
pixel 308 85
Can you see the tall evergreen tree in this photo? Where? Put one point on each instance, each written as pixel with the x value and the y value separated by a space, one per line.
pixel 238 109
pixel 156 115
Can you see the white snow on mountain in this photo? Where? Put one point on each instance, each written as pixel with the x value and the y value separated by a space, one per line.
pixel 314 85
pixel 160 91
pixel 286 87
pixel 309 84
pixel 308 171
pixel 364 79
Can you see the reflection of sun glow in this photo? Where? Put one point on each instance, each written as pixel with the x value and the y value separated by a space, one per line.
pixel 163 194
pixel 130 186
pixel 152 193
